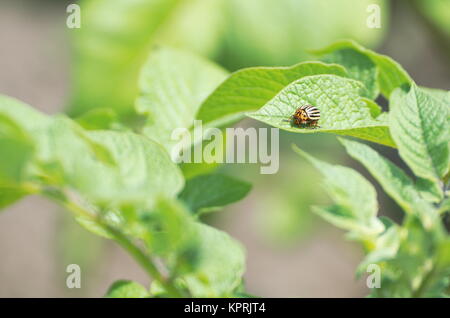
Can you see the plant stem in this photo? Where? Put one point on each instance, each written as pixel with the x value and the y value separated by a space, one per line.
pixel 424 284
pixel 143 260
pixel 123 240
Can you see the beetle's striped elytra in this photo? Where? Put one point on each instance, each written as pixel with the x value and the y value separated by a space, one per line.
pixel 306 116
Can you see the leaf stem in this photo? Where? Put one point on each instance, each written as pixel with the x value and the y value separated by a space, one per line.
pixel 424 284
pixel 142 258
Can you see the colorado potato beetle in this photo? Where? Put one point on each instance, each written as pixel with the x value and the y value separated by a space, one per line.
pixel 306 116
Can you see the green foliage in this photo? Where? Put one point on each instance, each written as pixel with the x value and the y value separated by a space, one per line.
pixel 360 67
pixel 206 193
pixel 11 194
pixel 417 265
pixel 267 32
pixel 413 256
pixel 124 187
pixel 220 264
pixel 126 289
pixel 116 35
pixel 170 93
pixel 394 180
pixel 116 56
pixel 343 110
pixel 251 88
pixel 16 151
pixel 419 126
pixel 99 118
pixel 112 170
pixel 356 205
pixel 207 261
pixel 387 75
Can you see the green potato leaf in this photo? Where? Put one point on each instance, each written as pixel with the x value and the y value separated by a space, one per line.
pixel 16 151
pixel 127 289
pixel 17 148
pixel 173 84
pixel 209 192
pixel 420 266
pixel 11 194
pixel 385 248
pixel 394 181
pixel 114 41
pixel 105 167
pixel 251 88
pixel 109 49
pixel 343 110
pixel 359 67
pixel 356 202
pixel 207 262
pixel 98 118
pixel 420 125
pixel 388 74
pixel 220 264
pixel 23 115
pixel 143 176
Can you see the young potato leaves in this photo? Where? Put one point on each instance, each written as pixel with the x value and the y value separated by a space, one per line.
pixel 387 76
pixel 48 133
pixel 16 151
pixel 359 67
pixel 15 156
pixel 11 194
pixel 98 119
pixel 115 173
pixel 116 36
pixel 109 50
pixel 127 289
pixel 419 268
pixel 385 247
pixel 343 110
pixel 209 192
pixel 220 264
pixel 207 262
pixel 420 125
pixel 444 206
pixel 395 182
pixel 23 115
pixel 98 164
pixel 173 84
pixel 250 88
pixel 356 203
pixel 440 94
pixel 145 170
pixel 17 147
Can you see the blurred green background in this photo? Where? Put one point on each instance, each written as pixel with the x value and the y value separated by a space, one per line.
pixel 290 252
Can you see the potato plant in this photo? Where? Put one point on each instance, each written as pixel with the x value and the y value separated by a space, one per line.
pixel 119 182
pixel 107 160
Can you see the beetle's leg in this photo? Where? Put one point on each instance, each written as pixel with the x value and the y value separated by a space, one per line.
pixel 316 124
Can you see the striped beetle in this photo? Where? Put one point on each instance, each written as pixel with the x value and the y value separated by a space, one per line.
pixel 306 116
